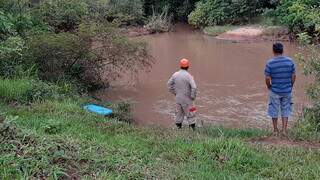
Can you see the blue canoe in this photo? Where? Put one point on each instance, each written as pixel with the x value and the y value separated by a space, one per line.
pixel 98 109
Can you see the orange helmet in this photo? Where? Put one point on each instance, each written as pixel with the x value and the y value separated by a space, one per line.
pixel 184 63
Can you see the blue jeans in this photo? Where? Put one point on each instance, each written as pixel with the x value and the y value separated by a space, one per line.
pixel 280 104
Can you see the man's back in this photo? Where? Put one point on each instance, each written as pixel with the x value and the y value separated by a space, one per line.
pixel 183 86
pixel 280 69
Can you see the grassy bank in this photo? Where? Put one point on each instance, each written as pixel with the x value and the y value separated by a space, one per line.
pixel 267 32
pixel 58 139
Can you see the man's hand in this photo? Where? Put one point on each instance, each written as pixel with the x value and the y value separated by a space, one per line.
pixel 268 82
pixel 293 79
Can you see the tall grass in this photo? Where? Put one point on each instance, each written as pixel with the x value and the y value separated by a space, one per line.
pixel 15 90
pixel 30 90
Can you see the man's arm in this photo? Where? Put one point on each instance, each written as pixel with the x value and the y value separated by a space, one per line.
pixel 268 82
pixel 267 73
pixel 193 88
pixel 171 86
pixel 293 78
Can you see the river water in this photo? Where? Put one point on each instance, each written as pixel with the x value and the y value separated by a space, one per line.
pixel 229 75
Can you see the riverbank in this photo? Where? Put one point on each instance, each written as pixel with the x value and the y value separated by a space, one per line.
pixel 58 139
pixel 249 33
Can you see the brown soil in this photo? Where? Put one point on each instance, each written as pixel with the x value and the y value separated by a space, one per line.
pixel 285 142
pixel 252 33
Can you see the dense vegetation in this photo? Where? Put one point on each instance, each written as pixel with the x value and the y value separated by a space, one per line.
pixel 308 126
pixel 217 12
pixel 300 15
pixel 58 40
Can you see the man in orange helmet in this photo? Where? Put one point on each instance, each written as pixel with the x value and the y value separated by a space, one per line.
pixel 183 86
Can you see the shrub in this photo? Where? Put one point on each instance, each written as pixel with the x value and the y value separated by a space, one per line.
pixel 11 51
pixel 6 27
pixel 126 12
pixel 16 23
pixel 16 18
pixel 159 22
pixel 93 57
pixel 178 9
pixel 300 15
pixel 63 15
pixel 308 126
pixel 217 12
pixel 112 55
pixel 56 55
pixel 98 10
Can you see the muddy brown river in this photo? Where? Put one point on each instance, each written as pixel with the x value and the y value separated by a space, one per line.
pixel 229 75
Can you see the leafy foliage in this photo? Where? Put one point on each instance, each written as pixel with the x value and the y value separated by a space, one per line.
pixel 159 22
pixel 63 15
pixel 10 56
pixel 93 57
pixel 309 125
pixel 46 38
pixel 300 15
pixel 126 12
pixel 218 12
pixel 178 9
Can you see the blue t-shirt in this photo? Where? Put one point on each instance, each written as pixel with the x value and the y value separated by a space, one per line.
pixel 280 69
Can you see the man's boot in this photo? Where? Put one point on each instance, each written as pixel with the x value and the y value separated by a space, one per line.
pixel 179 125
pixel 192 126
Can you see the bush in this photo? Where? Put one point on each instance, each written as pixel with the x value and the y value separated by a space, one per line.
pixel 57 55
pixel 11 57
pixel 112 55
pixel 159 22
pixel 17 18
pixel 6 27
pixel 308 126
pixel 126 12
pixel 178 9
pixel 217 12
pixel 98 10
pixel 93 57
pixel 300 15
pixel 16 23
pixel 63 15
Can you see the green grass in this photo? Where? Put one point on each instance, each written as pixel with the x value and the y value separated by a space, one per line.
pixel 217 30
pixel 30 90
pixel 11 90
pixel 57 139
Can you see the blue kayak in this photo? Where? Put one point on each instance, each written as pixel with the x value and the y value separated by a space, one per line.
pixel 98 109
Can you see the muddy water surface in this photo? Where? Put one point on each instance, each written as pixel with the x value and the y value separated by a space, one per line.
pixel 229 76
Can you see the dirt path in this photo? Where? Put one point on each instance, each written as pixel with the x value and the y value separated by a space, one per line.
pixel 251 33
pixel 285 142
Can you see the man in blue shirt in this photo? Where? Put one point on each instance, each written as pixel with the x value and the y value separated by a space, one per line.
pixel 280 76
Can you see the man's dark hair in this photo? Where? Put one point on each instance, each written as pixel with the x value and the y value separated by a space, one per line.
pixel 185 68
pixel 278 48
